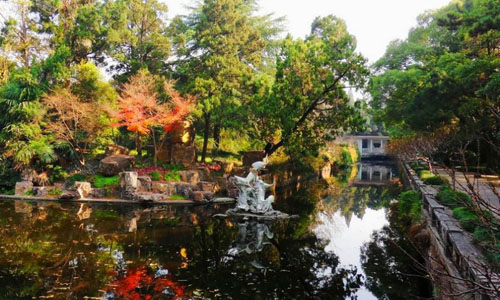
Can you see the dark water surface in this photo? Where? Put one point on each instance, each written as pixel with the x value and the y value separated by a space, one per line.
pixel 346 244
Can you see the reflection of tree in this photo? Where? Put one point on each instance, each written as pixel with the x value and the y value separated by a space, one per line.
pixel 388 267
pixel 47 252
pixel 288 268
pixel 354 200
pixel 143 283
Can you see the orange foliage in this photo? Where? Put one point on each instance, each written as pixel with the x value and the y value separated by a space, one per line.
pixel 140 284
pixel 139 109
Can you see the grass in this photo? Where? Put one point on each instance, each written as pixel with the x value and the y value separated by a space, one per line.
pixel 100 181
pixel 429 178
pixel 177 197
pixel 410 204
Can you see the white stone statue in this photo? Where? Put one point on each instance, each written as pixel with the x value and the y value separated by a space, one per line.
pixel 252 191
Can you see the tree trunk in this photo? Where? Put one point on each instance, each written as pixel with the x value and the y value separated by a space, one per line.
pixel 217 135
pixel 138 144
pixel 206 134
pixel 271 148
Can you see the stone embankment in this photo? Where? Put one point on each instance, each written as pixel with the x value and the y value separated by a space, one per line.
pixel 463 268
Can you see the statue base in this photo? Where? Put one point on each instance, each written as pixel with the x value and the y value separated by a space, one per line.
pixel 267 216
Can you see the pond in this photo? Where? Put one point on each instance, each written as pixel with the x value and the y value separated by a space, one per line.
pixel 348 243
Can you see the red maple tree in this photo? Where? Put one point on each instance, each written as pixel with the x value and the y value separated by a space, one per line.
pixel 140 111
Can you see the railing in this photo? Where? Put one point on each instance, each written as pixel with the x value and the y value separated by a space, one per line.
pixel 455 243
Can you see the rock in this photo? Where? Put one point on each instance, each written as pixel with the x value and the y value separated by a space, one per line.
pixel 83 188
pixel 227 167
pixel 129 184
pixel 206 186
pixel 183 154
pixel 69 195
pixel 204 173
pixel 171 188
pixel 202 196
pixel 145 183
pixel 250 157
pixel 184 189
pixel 160 187
pixel 99 193
pixel 191 177
pixel 29 175
pixel 326 171
pixel 198 196
pixel 240 171
pixel 116 150
pixel 114 164
pixel 149 197
pixel 23 187
pixel 182 134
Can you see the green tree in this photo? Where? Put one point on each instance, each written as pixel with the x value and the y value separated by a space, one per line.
pixel 308 103
pixel 138 38
pixel 219 50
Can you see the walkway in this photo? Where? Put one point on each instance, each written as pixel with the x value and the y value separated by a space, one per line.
pixel 482 185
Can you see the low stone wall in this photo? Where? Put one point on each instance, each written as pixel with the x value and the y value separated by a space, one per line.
pixel 462 260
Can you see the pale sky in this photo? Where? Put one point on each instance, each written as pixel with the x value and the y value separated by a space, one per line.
pixel 374 22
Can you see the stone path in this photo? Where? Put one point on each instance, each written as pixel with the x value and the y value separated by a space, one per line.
pixel 482 185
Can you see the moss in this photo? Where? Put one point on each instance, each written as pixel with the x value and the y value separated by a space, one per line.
pixel 410 204
pixel 467 219
pixel 100 181
pixel 54 192
pixel 177 197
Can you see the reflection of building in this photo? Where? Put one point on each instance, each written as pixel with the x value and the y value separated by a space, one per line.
pixel 371 174
pixel 368 145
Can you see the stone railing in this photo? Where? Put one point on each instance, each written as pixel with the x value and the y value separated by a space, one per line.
pixel 463 261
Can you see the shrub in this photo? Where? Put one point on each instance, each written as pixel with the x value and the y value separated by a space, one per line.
pixel 76 177
pixel 57 174
pixel 424 174
pixel 155 176
pixel 172 176
pixel 436 180
pixel 101 181
pixel 410 204
pixel 467 219
pixel 29 193
pixel 452 198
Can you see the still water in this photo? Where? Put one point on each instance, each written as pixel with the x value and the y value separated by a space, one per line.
pixel 347 243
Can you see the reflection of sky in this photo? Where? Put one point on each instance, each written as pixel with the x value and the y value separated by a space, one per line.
pixel 346 241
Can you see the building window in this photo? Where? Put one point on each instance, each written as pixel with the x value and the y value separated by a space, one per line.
pixel 376 144
pixel 365 143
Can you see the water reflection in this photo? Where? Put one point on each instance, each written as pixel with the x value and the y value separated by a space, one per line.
pixel 67 251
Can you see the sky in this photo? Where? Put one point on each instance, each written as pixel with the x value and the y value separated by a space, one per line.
pixel 374 22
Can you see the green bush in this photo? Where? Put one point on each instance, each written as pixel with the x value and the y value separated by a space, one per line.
pixel 57 174
pixel 346 157
pixel 410 204
pixel 436 180
pixel 467 219
pixel 418 166
pixel 101 181
pixel 29 193
pixel 452 198
pixel 424 174
pixel 172 176
pixel 76 177
pixel 155 176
